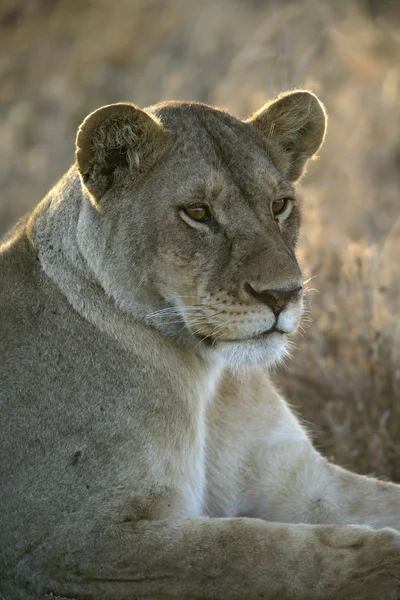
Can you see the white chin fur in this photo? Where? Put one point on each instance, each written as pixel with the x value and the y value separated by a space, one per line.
pixel 252 353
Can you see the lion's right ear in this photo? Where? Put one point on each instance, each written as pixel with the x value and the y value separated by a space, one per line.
pixel 115 141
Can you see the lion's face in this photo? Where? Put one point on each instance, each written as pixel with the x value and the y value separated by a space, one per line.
pixel 226 239
pixel 204 234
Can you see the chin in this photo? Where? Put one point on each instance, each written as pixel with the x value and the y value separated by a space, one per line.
pixel 250 353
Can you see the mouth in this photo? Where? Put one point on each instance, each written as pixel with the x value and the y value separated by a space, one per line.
pixel 268 332
pixel 210 340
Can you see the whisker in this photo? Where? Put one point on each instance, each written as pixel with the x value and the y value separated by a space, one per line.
pixel 200 341
pixel 218 331
pixel 188 308
pixel 309 279
pixel 220 327
pixel 196 322
pixel 172 310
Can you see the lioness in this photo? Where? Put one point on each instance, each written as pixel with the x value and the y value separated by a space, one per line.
pixel 144 451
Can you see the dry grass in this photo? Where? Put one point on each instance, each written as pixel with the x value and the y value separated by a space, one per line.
pixel 61 59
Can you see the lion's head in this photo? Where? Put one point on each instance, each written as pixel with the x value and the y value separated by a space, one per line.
pixel 194 218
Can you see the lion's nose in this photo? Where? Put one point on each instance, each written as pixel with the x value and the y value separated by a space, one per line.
pixel 275 299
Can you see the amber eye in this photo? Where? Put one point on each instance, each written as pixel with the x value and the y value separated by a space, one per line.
pixel 198 213
pixel 279 206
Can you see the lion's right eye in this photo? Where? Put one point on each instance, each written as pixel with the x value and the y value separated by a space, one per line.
pixel 198 213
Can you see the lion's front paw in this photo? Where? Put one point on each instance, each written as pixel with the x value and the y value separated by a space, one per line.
pixel 375 574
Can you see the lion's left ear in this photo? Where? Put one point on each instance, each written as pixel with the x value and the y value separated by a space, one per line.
pixel 293 128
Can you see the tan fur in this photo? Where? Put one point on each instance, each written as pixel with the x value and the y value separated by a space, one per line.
pixel 145 453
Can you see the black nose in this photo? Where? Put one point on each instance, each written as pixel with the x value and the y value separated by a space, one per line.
pixel 275 299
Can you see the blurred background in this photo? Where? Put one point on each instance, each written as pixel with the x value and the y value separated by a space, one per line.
pixel 60 59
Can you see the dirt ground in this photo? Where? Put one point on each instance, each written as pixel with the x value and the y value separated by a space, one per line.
pixel 60 59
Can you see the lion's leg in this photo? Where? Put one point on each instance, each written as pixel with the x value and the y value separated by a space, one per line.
pixel 309 489
pixel 283 478
pixel 219 559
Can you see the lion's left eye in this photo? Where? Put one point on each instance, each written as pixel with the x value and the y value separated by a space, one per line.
pixel 198 213
pixel 278 207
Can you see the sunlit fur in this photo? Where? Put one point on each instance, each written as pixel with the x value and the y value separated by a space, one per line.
pixel 135 461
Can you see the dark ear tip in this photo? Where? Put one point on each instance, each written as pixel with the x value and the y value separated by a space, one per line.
pixel 294 99
pixel 293 127
pixel 113 140
pixel 313 110
pixel 306 98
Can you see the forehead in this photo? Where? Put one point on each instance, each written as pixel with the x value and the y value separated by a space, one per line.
pixel 219 150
